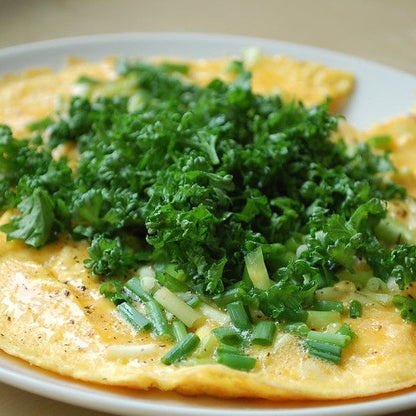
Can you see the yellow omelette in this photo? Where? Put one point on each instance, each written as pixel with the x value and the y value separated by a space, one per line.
pixel 52 314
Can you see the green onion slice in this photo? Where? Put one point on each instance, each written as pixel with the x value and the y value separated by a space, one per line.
pixel 133 316
pixel 336 339
pixel 134 285
pixel 328 305
pixel 356 309
pixel 237 361
pixel 155 314
pixel 324 351
pixel 238 315
pixel 227 335
pixel 182 349
pixel 179 330
pixel 263 333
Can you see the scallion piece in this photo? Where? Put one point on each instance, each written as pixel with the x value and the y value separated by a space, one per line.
pixel 214 313
pixel 238 315
pixel 345 329
pixel 160 324
pixel 193 301
pixel 257 269
pixel 229 296
pixel 321 319
pixel 206 347
pixel 147 277
pixel 263 333
pixel 173 284
pixel 177 306
pixel 133 316
pixel 325 351
pixel 359 278
pixel 297 328
pixel 356 309
pixel 227 335
pixel 229 349
pixel 135 286
pixel 337 339
pixel 182 349
pixel 328 305
pixel 237 361
pixel 324 355
pixel 375 284
pixel 179 330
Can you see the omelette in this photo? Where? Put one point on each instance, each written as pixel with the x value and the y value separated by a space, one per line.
pixel 54 312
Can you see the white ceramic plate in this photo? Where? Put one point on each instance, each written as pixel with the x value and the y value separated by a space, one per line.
pixel 381 93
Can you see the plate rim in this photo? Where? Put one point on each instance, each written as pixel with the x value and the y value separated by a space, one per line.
pixel 115 403
pixel 187 36
pixel 383 405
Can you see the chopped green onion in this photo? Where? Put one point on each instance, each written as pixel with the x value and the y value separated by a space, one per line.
pixel 321 319
pixel 337 339
pixel 227 335
pixel 214 313
pixel 359 278
pixel 328 305
pixel 263 333
pixel 135 286
pixel 147 277
pixel 324 351
pixel 177 306
pixel 229 349
pixel 257 269
pixel 157 317
pixel 297 328
pixel 130 350
pixel 172 270
pixel 133 316
pixel 237 361
pixel 179 330
pixel 356 309
pixel 345 329
pixel 181 350
pixel 366 296
pixel 206 347
pixel 193 301
pixel 238 315
pixel 375 284
pixel 169 281
pixel 229 296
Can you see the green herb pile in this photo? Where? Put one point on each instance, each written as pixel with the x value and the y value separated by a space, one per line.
pixel 198 177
